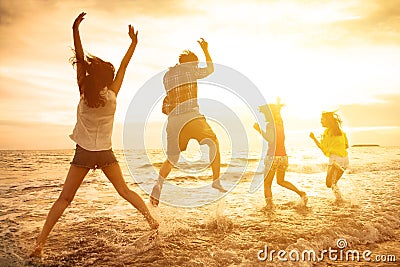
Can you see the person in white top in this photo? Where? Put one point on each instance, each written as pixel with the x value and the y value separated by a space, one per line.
pixel 92 133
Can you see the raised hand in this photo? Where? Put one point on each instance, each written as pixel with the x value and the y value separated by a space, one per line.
pixel 203 44
pixel 256 126
pixel 116 85
pixel 312 136
pixel 133 34
pixel 78 20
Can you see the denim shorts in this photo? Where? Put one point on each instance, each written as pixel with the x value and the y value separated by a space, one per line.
pixel 93 159
pixel 275 163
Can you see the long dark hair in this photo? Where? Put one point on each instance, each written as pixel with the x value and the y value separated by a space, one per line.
pixel 333 122
pixel 98 75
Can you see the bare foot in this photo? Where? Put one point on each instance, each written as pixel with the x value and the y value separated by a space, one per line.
pixel 155 195
pixel 151 221
pixel 269 204
pixel 37 252
pixel 154 201
pixel 217 185
pixel 304 198
pixel 337 193
pixel 153 224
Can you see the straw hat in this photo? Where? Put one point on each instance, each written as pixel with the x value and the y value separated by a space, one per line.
pixel 273 109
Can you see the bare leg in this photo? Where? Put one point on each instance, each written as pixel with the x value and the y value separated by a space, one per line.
pixel 328 179
pixel 165 169
pixel 215 161
pixel 280 177
pixel 72 182
pixel 114 174
pixel 333 175
pixel 338 172
pixel 267 188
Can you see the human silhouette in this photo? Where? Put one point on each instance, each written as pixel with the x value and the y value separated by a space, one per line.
pixel 92 133
pixel 276 160
pixel 185 122
pixel 334 145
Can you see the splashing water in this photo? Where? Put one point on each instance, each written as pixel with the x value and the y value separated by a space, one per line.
pixel 102 229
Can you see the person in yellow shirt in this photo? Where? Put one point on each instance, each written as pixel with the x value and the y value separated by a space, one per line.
pixel 334 145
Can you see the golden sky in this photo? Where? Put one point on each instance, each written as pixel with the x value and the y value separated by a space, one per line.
pixel 315 55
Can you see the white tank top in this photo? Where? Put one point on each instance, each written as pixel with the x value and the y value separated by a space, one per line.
pixel 93 128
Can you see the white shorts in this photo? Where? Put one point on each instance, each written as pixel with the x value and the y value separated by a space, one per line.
pixel 342 161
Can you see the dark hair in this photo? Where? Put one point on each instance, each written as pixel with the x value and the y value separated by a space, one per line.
pixel 187 56
pixel 333 122
pixel 98 75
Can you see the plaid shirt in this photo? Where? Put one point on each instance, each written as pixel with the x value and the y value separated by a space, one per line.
pixel 180 84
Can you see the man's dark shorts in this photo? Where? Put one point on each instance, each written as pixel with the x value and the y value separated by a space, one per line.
pixel 182 128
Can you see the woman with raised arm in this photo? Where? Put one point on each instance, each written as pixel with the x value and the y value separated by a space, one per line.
pixel 92 133
pixel 334 145
pixel 276 160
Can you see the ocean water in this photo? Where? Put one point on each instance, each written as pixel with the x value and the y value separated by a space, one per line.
pixel 102 229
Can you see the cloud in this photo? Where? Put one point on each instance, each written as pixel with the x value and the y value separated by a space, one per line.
pixel 37 34
pixel 12 11
pixel 36 99
pixel 40 31
pixel 374 21
pixel 155 8
pixel 375 11
pixel 328 23
pixel 384 112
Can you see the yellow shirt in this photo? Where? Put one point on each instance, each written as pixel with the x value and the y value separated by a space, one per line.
pixel 334 144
